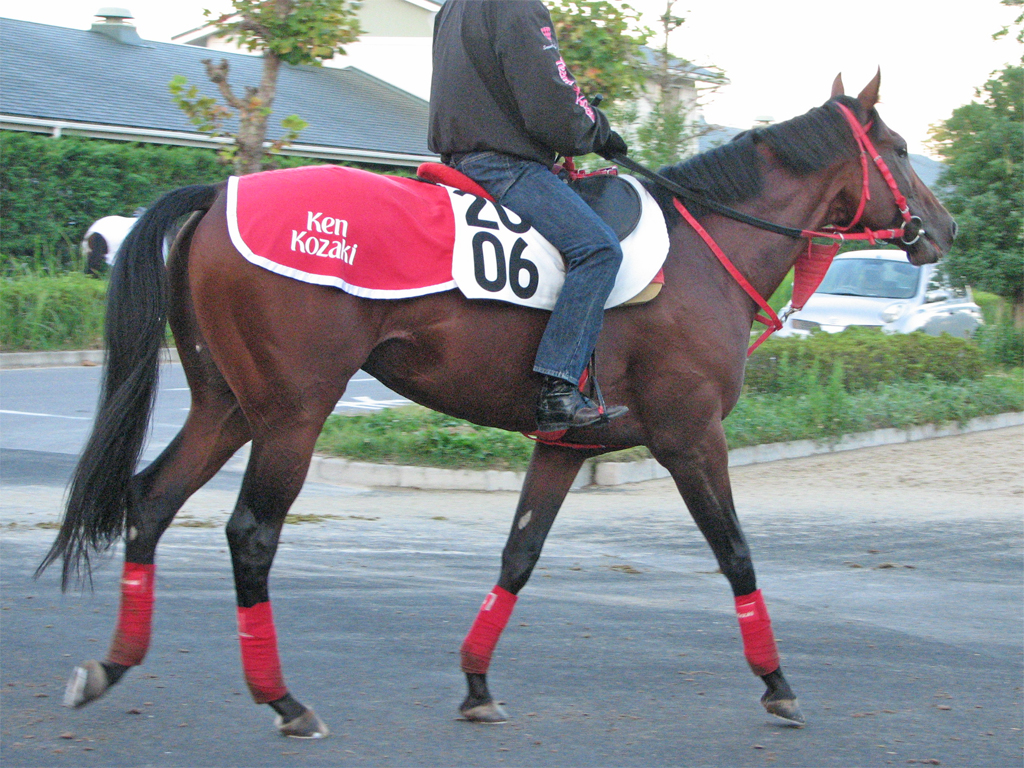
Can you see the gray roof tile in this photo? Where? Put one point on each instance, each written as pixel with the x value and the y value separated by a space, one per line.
pixel 57 73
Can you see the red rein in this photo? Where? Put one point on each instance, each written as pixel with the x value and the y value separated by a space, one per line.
pixel 811 266
pixel 769 318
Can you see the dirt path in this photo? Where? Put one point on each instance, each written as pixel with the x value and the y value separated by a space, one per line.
pixel 976 474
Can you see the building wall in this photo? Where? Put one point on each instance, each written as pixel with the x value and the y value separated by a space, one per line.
pixel 405 62
pixel 394 47
pixel 396 18
pixel 685 93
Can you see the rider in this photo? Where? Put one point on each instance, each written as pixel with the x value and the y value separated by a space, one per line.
pixel 503 106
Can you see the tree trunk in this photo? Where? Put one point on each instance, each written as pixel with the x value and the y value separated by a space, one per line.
pixel 252 118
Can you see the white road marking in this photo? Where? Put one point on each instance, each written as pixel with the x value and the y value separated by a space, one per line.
pixel 46 415
pixel 370 404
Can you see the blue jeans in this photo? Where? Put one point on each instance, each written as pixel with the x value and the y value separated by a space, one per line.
pixel 589 246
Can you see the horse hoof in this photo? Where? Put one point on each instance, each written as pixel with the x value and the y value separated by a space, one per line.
pixel 785 709
pixel 490 713
pixel 305 726
pixel 88 682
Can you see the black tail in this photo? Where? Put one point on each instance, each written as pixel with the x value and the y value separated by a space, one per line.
pixel 100 489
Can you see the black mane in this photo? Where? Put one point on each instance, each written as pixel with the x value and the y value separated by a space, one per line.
pixel 731 173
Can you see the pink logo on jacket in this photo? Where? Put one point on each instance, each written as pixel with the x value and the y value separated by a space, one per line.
pixel 563 72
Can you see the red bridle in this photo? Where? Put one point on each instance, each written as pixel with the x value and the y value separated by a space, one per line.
pixel 867 150
pixel 812 265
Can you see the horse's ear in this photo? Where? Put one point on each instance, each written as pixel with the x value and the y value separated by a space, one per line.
pixel 869 96
pixel 837 86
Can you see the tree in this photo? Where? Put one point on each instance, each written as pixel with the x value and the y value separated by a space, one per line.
pixel 667 132
pixel 286 31
pixel 602 43
pixel 607 50
pixel 982 145
pixel 1018 22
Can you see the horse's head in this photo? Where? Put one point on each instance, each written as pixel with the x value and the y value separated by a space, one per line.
pixel 928 229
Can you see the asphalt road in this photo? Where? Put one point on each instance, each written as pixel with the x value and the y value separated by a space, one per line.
pixel 894 577
pixel 50 410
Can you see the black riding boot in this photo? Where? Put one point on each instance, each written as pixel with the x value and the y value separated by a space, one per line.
pixel 563 406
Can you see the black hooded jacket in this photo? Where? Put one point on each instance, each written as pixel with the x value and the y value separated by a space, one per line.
pixel 499 83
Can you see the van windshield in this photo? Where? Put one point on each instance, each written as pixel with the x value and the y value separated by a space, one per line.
pixel 876 278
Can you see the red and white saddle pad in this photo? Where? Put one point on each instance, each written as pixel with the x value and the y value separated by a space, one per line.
pixel 388 237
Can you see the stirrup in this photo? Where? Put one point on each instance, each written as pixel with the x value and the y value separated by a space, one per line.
pixel 595 389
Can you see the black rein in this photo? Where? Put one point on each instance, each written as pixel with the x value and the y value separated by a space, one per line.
pixel 696 197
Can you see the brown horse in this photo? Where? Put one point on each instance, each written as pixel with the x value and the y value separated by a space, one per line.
pixel 268 357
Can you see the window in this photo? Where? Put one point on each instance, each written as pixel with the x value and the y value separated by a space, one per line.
pixel 877 278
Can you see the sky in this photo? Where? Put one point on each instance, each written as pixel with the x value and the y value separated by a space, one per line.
pixel 780 56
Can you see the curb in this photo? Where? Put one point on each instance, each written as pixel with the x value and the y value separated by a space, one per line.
pixel 332 471
pixel 66 359
pixel 619 473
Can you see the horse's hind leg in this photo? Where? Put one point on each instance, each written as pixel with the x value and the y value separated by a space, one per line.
pixel 214 430
pixel 549 478
pixel 277 468
pixel 701 474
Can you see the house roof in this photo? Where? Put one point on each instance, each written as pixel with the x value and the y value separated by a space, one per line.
pixel 682 68
pixel 89 83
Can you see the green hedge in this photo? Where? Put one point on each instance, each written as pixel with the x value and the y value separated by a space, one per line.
pixel 864 359
pixel 51 190
pixel 49 313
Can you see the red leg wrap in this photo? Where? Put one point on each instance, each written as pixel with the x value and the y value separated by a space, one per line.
pixel 260 662
pixel 483 635
pixel 135 617
pixel 756 628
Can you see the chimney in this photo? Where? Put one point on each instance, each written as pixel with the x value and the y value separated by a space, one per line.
pixel 115 24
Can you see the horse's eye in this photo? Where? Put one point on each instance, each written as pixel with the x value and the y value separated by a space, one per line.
pixel 901 151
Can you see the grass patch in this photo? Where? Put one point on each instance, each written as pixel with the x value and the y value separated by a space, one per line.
pixel 191 522
pixel 825 413
pixel 818 388
pixel 822 412
pixel 419 436
pixel 40 312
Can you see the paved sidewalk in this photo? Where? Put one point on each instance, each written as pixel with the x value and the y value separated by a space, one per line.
pixel 63 359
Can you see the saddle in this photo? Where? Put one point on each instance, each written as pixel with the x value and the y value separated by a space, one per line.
pixel 613 199
pixel 392 237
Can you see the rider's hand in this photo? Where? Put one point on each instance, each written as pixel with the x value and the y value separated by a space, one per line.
pixel 613 146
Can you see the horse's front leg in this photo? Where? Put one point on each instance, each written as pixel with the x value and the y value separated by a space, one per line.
pixel 701 473
pixel 549 478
